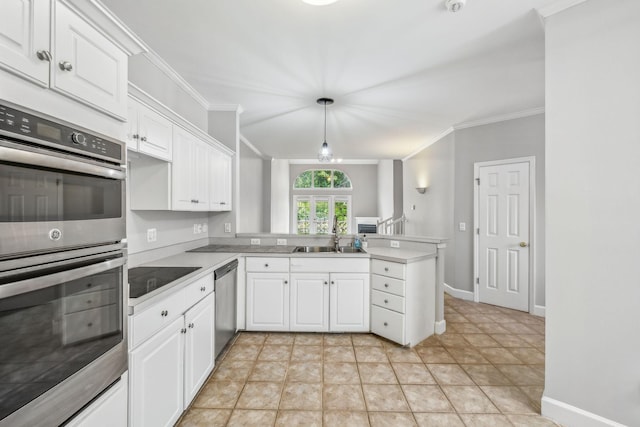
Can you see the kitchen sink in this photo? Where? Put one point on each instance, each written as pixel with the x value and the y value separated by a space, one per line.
pixel 324 249
pixel 314 249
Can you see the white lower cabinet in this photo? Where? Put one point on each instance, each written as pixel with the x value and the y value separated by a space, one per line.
pixel 325 294
pixel 168 368
pixel 108 410
pixel 403 300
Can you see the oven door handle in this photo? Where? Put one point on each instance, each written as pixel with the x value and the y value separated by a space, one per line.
pixel 66 163
pixel 49 280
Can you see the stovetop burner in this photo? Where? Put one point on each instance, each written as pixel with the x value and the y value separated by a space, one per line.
pixel 143 280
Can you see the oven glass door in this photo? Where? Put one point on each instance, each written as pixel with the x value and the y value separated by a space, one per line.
pixel 56 322
pixel 32 194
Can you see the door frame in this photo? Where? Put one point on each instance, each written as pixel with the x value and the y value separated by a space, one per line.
pixel 531 160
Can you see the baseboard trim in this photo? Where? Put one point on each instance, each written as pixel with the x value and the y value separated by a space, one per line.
pixel 569 415
pixel 539 310
pixel 465 295
pixel 440 327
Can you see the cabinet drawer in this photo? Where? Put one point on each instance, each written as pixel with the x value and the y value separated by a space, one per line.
pixel 388 324
pixel 385 300
pixel 198 290
pixel 329 264
pixel 154 318
pixel 88 300
pixel 265 264
pixel 386 268
pixel 387 284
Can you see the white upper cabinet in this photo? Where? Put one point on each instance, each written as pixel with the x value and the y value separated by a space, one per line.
pixel 220 182
pixel 189 184
pixel 24 39
pixel 72 57
pixel 149 132
pixel 87 65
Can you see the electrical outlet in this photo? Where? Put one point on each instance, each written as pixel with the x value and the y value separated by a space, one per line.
pixel 395 244
pixel 462 226
pixel 255 241
pixel 227 227
pixel 281 242
pixel 199 228
pixel 152 235
pixel 205 227
pixel 195 228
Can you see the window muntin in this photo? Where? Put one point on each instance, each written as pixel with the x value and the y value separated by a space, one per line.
pixel 314 214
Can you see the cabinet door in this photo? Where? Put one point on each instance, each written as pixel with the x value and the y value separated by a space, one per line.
pixel 309 302
pixel 181 174
pixel 220 181
pixel 155 132
pixel 349 310
pixel 87 66
pixel 199 347
pixel 24 30
pixel 268 301
pixel 156 384
pixel 199 169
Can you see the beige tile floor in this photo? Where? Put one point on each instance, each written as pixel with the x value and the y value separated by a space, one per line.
pixel 486 370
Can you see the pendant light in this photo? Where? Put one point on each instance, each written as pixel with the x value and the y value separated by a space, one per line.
pixel 325 154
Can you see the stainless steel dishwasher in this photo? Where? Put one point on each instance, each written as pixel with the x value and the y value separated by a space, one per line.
pixel 225 292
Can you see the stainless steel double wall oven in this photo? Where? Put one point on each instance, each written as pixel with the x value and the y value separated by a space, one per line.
pixel 63 266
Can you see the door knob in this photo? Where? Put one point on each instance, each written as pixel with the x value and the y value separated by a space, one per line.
pixel 523 244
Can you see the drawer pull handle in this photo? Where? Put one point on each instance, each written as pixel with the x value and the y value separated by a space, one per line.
pixel 65 65
pixel 386 269
pixel 386 301
pixel 89 302
pixel 202 289
pixel 89 324
pixel 266 266
pixel 191 325
pixel 183 330
pixel 164 313
pixel 386 285
pixel 386 324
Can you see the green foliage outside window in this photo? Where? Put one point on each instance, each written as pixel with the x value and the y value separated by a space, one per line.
pixel 322 178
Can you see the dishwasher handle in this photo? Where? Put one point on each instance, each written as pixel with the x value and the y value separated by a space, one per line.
pixel 225 269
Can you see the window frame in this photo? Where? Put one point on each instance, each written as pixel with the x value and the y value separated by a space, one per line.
pixel 312 198
pixel 314 188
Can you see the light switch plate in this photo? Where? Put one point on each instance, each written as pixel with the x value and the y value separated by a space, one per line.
pixel 395 244
pixel 281 242
pixel 227 227
pixel 152 235
pixel 462 226
pixel 255 241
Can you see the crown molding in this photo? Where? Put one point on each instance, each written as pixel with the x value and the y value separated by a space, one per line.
pixel 500 118
pixel 252 147
pixel 428 143
pixel 163 66
pixel 557 6
pixel 227 107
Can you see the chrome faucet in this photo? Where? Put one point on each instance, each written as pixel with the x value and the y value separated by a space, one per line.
pixel 336 238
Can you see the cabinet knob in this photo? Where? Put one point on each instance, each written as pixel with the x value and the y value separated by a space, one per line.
pixel 135 136
pixel 164 313
pixel 286 282
pixel 386 285
pixel 386 301
pixel 333 283
pixel 143 139
pixel 202 289
pixel 191 325
pixel 266 266
pixel 65 65
pixel 183 330
pixel 326 283
pixel 89 301
pixel 386 324
pixel 44 55
pixel 386 269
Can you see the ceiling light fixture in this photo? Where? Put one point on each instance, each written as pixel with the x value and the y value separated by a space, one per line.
pixel 319 2
pixel 325 154
pixel 455 5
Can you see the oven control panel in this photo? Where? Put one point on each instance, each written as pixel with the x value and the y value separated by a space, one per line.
pixel 22 125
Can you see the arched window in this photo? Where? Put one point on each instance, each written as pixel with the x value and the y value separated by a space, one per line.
pixel 322 179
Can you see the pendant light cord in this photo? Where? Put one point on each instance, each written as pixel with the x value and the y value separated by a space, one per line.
pixel 325 121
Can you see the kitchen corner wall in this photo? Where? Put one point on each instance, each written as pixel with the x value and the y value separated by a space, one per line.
pixel 447 168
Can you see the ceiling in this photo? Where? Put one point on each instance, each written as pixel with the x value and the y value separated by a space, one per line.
pixel 401 72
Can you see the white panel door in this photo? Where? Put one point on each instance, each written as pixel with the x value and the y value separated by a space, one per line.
pixel 503 239
pixel 349 302
pixel 156 382
pixel 199 347
pixel 268 301
pixel 87 66
pixel 309 302
pixel 24 30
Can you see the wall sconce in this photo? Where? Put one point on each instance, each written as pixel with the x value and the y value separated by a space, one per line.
pixel 421 190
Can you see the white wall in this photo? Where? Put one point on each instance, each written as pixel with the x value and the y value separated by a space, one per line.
pixel 385 188
pixel 280 191
pixel 593 214
pixel 251 191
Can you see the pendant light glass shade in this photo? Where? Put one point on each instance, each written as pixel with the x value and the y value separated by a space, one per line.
pixel 325 154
